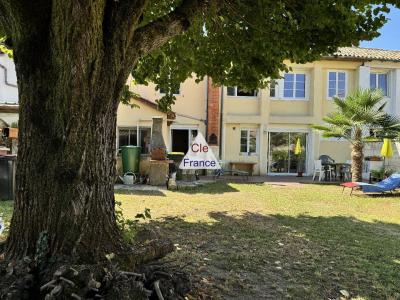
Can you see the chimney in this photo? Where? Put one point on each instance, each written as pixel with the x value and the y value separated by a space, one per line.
pixel 213 114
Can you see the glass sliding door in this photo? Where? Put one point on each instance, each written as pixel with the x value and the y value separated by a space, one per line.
pixel 297 161
pixel 281 155
pixel 278 152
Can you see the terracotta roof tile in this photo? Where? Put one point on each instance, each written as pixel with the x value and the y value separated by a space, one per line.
pixel 368 54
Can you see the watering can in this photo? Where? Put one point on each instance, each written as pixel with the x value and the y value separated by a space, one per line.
pixel 128 178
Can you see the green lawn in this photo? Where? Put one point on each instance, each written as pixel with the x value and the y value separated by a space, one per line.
pixel 5 214
pixel 257 241
pixel 260 241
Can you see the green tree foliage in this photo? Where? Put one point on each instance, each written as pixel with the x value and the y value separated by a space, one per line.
pixel 359 113
pixel 247 41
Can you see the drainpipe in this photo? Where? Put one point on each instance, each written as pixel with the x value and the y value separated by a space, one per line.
pixel 5 77
pixel 138 133
pixel 207 99
pixel 221 122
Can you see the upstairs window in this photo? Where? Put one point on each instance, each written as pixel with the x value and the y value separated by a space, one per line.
pixel 294 86
pixel 237 91
pixel 379 81
pixel 336 84
pixel 175 89
pixel 248 141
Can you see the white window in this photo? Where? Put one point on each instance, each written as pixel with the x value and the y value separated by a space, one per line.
pixel 237 91
pixel 379 81
pixel 248 141
pixel 133 137
pixel 294 86
pixel 337 84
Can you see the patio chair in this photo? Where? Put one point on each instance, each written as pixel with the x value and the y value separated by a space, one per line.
pixel 347 171
pixel 326 159
pixel 387 185
pixel 321 170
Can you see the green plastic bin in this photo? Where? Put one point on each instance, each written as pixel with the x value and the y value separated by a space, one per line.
pixel 130 158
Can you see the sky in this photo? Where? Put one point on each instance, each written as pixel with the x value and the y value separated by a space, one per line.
pixel 390 33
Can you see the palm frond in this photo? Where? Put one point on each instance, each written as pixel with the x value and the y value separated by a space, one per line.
pixel 338 119
pixel 320 127
pixel 331 134
pixel 361 110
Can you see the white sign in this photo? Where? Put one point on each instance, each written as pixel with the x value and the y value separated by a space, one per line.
pixel 199 156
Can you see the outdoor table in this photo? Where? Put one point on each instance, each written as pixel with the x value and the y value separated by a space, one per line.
pixel 340 167
pixel 336 167
pixel 248 165
pixel 351 185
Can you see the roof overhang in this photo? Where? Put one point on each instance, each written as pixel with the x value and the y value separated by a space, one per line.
pixel 170 114
pixel 9 108
pixel 358 59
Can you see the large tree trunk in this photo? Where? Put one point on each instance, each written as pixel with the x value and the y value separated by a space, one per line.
pixel 69 92
pixel 65 169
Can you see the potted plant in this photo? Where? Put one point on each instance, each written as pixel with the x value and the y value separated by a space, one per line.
pixel 300 165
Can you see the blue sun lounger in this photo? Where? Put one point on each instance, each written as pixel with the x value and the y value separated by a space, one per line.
pixel 387 185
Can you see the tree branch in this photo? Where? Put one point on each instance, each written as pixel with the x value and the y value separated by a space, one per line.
pixel 20 18
pixel 155 34
pixel 123 17
pixel 5 23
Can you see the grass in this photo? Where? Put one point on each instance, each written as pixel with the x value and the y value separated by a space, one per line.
pixel 5 214
pixel 257 241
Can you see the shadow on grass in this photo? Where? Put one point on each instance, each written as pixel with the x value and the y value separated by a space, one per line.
pixel 158 193
pixel 256 256
pixel 378 195
pixel 210 188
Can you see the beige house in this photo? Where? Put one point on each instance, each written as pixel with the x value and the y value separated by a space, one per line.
pixel 258 130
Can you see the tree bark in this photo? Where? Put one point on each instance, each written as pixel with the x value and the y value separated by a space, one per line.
pixel 69 91
pixel 65 167
pixel 357 157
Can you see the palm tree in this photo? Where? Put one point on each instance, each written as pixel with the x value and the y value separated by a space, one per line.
pixel 359 113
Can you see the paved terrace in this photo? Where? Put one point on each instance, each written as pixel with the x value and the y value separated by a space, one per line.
pixel 278 181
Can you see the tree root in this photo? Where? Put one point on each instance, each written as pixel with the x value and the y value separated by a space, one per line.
pixel 152 250
pixel 63 279
pixel 158 291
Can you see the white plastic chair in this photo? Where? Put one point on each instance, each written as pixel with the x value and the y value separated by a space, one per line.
pixel 347 173
pixel 318 168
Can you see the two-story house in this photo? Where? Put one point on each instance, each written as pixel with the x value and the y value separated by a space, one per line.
pixel 8 91
pixel 259 129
